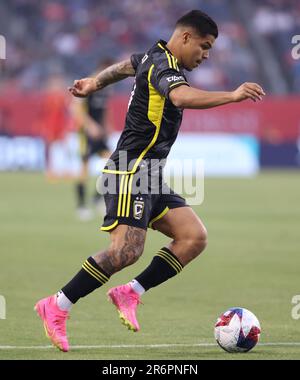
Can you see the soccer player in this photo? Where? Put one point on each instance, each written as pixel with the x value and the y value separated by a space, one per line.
pixel 160 94
pixel 89 115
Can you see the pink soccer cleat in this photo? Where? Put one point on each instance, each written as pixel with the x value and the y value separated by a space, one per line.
pixel 126 301
pixel 54 322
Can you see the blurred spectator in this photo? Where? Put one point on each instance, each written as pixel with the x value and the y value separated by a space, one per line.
pixel 69 37
pixel 279 21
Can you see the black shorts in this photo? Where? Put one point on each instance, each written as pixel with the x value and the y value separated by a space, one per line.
pixel 89 146
pixel 135 205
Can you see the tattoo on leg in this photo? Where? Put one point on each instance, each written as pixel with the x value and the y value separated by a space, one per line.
pixel 133 246
pixel 105 262
pixel 113 260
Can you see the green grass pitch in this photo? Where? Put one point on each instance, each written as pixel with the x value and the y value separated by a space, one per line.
pixel 252 260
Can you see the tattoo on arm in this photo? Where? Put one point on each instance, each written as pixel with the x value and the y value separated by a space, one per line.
pixel 113 260
pixel 114 73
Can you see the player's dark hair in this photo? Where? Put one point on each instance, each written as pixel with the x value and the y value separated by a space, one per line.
pixel 201 22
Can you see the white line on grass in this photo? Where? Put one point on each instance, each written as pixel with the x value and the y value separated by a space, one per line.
pixel 87 347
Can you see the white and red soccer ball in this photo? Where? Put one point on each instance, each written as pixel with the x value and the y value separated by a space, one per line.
pixel 237 330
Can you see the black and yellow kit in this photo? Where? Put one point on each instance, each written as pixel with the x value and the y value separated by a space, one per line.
pixel 151 127
pixel 94 106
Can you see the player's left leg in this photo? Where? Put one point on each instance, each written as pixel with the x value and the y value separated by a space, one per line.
pixel 189 239
pixel 187 231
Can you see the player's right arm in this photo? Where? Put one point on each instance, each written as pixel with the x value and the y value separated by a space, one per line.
pixel 193 98
pixel 114 73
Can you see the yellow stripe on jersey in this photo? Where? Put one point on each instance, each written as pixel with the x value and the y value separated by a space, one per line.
pixel 129 196
pixel 120 196
pixel 181 82
pixel 108 228
pixel 155 113
pixel 156 105
pixel 174 62
pixel 125 195
pixel 159 216
pixel 168 56
pixel 171 59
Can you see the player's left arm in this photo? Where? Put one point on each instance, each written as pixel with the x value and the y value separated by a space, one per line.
pixel 193 98
pixel 112 74
pixel 173 85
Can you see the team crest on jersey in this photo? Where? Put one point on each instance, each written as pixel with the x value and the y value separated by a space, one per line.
pixel 138 208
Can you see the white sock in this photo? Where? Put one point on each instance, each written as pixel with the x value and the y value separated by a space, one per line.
pixel 137 287
pixel 63 302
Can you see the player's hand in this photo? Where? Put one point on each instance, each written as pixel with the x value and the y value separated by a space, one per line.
pixel 83 87
pixel 248 91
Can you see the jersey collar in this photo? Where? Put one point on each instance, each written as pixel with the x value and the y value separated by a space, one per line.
pixel 164 43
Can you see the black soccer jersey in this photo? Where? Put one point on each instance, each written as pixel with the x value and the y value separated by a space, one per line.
pixel 152 121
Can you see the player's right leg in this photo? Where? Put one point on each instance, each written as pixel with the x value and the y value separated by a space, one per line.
pixel 127 244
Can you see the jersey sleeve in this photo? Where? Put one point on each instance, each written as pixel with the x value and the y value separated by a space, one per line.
pixel 167 79
pixel 136 59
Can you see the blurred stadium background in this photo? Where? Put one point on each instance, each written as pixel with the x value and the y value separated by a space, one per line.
pixel 51 43
pixel 252 213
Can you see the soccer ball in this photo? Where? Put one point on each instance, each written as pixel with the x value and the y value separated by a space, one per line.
pixel 237 330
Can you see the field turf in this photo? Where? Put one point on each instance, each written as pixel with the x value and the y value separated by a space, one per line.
pixel 252 261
